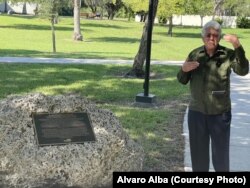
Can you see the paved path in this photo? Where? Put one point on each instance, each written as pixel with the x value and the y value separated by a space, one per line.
pixel 240 95
pixel 77 61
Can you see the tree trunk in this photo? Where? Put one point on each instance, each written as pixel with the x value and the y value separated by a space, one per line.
pixel 217 6
pixel 170 26
pixel 77 30
pixel 53 33
pixel 5 6
pixel 24 11
pixel 139 60
pixel 110 7
pixel 201 20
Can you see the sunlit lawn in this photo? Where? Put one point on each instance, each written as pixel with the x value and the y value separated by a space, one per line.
pixel 154 128
pixel 109 39
pixel 158 128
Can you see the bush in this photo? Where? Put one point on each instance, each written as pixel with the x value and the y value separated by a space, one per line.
pixel 121 13
pixel 66 12
pixel 219 20
pixel 243 22
pixel 163 20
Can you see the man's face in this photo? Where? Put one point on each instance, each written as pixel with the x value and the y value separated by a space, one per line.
pixel 211 39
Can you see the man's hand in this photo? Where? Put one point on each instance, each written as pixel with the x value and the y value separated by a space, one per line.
pixel 189 65
pixel 233 39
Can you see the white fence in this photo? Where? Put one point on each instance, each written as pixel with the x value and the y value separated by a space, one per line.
pixel 195 20
pixel 183 20
pixel 20 8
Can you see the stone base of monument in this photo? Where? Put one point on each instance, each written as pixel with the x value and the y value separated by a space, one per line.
pixel 23 163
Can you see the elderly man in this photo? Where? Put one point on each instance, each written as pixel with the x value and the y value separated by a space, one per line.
pixel 208 69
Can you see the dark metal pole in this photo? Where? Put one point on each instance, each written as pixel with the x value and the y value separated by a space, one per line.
pixel 148 55
pixel 146 97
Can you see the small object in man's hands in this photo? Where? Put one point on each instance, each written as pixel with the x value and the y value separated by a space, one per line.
pixel 220 92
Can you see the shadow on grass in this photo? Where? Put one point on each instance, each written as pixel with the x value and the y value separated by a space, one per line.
pixel 99 82
pixel 49 54
pixel 21 16
pixel 93 24
pixel 157 128
pixel 56 79
pixel 19 53
pixel 118 39
pixel 102 24
pixel 181 34
pixel 37 27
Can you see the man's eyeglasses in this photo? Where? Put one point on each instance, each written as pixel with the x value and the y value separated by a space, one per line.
pixel 209 35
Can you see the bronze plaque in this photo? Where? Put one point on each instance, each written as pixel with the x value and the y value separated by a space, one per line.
pixel 63 128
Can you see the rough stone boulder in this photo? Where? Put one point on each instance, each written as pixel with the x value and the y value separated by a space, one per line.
pixel 25 164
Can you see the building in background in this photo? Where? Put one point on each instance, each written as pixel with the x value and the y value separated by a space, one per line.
pixel 18 8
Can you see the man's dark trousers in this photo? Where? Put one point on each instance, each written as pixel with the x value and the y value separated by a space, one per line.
pixel 202 127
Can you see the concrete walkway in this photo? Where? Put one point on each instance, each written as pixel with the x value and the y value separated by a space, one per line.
pixel 240 95
pixel 77 61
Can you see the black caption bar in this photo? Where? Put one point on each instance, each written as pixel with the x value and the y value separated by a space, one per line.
pixel 180 179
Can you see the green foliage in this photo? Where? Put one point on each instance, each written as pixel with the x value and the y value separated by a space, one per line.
pixel 167 8
pixel 121 13
pixel 238 8
pixel 243 22
pixel 219 20
pixel 137 5
pixel 51 8
pixel 200 7
pixel 67 11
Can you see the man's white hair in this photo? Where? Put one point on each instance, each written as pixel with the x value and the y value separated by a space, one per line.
pixel 211 24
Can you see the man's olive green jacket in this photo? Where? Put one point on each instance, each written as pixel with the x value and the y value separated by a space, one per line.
pixel 210 81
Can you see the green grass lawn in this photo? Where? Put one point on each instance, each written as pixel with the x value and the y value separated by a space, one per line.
pixel 106 39
pixel 159 128
pixel 89 80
